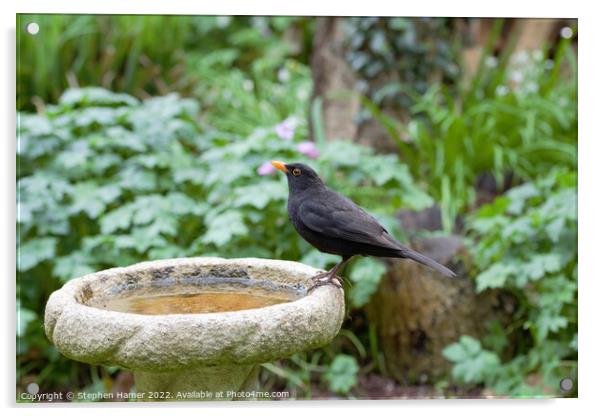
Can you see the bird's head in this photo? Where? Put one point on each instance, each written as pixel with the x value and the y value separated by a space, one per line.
pixel 299 176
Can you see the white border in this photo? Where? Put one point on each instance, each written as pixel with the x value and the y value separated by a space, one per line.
pixel 507 8
pixel 589 189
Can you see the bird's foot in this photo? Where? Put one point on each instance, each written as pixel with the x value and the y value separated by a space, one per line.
pixel 323 279
pixel 320 276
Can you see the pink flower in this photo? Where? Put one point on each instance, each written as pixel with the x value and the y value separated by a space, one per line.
pixel 266 169
pixel 286 129
pixel 309 149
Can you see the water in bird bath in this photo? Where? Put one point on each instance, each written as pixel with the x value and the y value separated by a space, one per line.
pixel 207 298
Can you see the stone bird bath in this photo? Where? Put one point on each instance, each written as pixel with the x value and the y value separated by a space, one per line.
pixel 193 328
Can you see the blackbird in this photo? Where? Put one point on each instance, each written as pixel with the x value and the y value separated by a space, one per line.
pixel 334 224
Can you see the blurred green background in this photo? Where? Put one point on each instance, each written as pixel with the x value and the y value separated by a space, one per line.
pixel 146 137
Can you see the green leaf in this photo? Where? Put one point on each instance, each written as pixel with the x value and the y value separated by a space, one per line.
pixel 137 179
pixel 342 374
pixel 541 264
pixel 343 153
pixel 91 199
pixel 222 228
pixel 530 250
pixel 416 199
pixel 496 339
pixel 454 352
pixel 477 368
pixel 496 276
pixel 75 97
pixel 383 169
pixel 365 275
pixel 182 204
pixel 72 265
pixel 170 251
pixel 141 239
pixel 472 364
pixel 556 290
pixel 496 208
pixel 24 317
pixel 319 260
pixel 118 219
pixel 549 320
pixel 120 139
pixel 33 252
pixel 519 230
pixel 555 228
pixel 471 345
pixel 519 196
pixel 261 194
pixel 574 344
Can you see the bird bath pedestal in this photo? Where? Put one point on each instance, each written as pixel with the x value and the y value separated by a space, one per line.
pixel 193 328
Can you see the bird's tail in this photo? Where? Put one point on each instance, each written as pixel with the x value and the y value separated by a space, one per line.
pixel 422 259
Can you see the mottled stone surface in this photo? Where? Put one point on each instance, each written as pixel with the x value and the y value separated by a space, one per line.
pixel 169 344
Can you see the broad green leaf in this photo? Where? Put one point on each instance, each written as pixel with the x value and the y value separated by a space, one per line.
pixel 88 197
pixel 72 265
pixel 455 352
pixel 137 179
pixel 33 252
pixel 417 199
pixel 549 320
pixel 556 290
pixel 95 96
pixel 319 260
pixel 342 374
pixel 541 264
pixel 141 239
pixel 182 204
pixel 472 364
pixel 554 229
pixel 519 230
pixel 365 275
pixel 496 338
pixel 342 153
pixel 519 196
pixel 261 194
pixel 496 276
pixel 225 226
pixel 24 317
pixel 498 207
pixel 118 219
pixel 470 345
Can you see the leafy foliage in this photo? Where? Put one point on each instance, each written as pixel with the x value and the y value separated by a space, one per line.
pixel 342 374
pixel 517 116
pixel 365 276
pixel 472 363
pixel 527 245
pixel 140 55
pixel 412 52
pixel 122 181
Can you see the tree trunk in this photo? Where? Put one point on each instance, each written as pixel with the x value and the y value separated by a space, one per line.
pixel 418 313
pixel 534 34
pixel 333 76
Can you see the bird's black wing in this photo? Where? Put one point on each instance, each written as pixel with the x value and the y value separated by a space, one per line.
pixel 335 216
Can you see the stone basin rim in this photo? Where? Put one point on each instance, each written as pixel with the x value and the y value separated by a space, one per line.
pixel 298 287
pixel 174 341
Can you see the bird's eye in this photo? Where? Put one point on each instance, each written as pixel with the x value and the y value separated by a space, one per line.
pixel 296 171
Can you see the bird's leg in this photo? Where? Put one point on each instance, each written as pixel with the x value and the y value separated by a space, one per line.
pixel 332 272
pixel 328 277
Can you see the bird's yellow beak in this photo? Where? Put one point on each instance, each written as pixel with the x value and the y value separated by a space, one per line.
pixel 280 166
